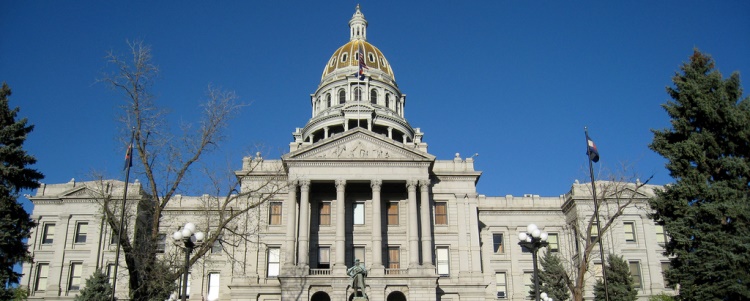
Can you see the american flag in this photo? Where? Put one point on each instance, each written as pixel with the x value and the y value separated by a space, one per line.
pixel 362 64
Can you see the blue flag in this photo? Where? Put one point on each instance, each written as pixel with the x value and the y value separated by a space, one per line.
pixel 591 149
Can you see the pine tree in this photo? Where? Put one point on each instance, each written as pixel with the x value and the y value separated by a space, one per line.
pixel 552 277
pixel 97 288
pixel 705 212
pixel 15 223
pixel 619 281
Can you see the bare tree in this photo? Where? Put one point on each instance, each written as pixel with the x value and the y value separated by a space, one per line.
pixel 166 161
pixel 615 196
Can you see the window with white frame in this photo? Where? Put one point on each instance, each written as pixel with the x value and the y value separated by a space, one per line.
pixel 392 213
pixel 161 243
pixel 111 273
pixel 359 213
pixel 187 292
pixel 274 213
pixel 274 256
pixel 42 272
pixel 442 259
pixel 594 232
pixel 629 228
pixel 501 284
pixel 74 281
pixel 661 237
pixel 48 236
pixel 213 287
pixel 497 243
pixel 635 272
pixel 81 232
pixel 324 214
pixel 324 257
pixel 394 257
pixel 359 253
pixel 216 247
pixel 441 213
pixel 554 242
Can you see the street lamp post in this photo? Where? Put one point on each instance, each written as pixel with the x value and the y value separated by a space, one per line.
pixel 533 239
pixel 545 297
pixel 190 239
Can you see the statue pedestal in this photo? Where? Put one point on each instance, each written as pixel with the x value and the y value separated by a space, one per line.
pixel 359 299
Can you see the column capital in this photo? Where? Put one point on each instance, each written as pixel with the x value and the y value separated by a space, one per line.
pixel 304 184
pixel 424 182
pixel 376 184
pixel 340 184
pixel 411 183
pixel 292 182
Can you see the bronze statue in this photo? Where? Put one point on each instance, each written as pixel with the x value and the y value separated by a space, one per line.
pixel 358 273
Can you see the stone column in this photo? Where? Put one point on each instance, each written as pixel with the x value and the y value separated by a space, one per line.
pixel 424 186
pixel 411 186
pixel 291 224
pixel 377 229
pixel 340 263
pixel 304 224
pixel 325 131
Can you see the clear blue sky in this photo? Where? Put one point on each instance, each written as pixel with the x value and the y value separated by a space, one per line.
pixel 515 81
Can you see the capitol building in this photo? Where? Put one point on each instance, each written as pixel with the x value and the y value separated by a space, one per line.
pixel 359 183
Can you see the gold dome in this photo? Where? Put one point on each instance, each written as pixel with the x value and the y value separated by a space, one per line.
pixel 346 57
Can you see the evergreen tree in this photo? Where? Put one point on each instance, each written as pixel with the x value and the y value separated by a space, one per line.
pixel 552 278
pixel 619 281
pixel 15 223
pixel 97 288
pixel 705 212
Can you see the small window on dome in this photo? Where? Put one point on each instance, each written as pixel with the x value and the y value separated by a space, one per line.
pixel 344 57
pixel 387 100
pixel 371 57
pixel 342 96
pixel 356 56
pixel 374 96
pixel 357 94
pixel 330 64
pixel 328 100
pixel 382 61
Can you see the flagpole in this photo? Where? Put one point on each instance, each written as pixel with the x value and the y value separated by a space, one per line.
pixel 128 163
pixel 589 144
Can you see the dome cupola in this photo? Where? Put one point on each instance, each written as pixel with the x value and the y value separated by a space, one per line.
pixel 357 89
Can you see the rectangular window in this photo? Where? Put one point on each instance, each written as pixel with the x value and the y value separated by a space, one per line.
pixel 359 213
pixel 179 286
pixel 41 276
pixel 213 286
pixel 661 237
pixel 441 213
pixel 274 256
pixel 394 255
pixel 442 260
pixel 74 282
pixel 635 272
pixel 325 213
pixel 528 282
pixel 81 231
pixel 161 243
pixel 664 268
pixel 359 253
pixel 324 257
pixel 216 247
pixel 497 243
pixel 392 213
pixel 629 231
pixel 49 234
pixel 502 286
pixel 113 237
pixel 594 233
pixel 554 242
pixel 596 269
pixel 274 217
pixel 111 273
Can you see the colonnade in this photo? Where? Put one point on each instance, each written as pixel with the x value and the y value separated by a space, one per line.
pixel 302 237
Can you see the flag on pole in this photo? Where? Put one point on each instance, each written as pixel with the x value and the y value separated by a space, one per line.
pixel 129 157
pixel 591 150
pixel 362 64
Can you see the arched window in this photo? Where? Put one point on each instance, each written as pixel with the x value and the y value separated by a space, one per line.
pixel 388 100
pixel 342 96
pixel 328 100
pixel 343 57
pixel 357 94
pixel 374 96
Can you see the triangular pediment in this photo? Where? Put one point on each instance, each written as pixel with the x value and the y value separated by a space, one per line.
pixel 359 144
